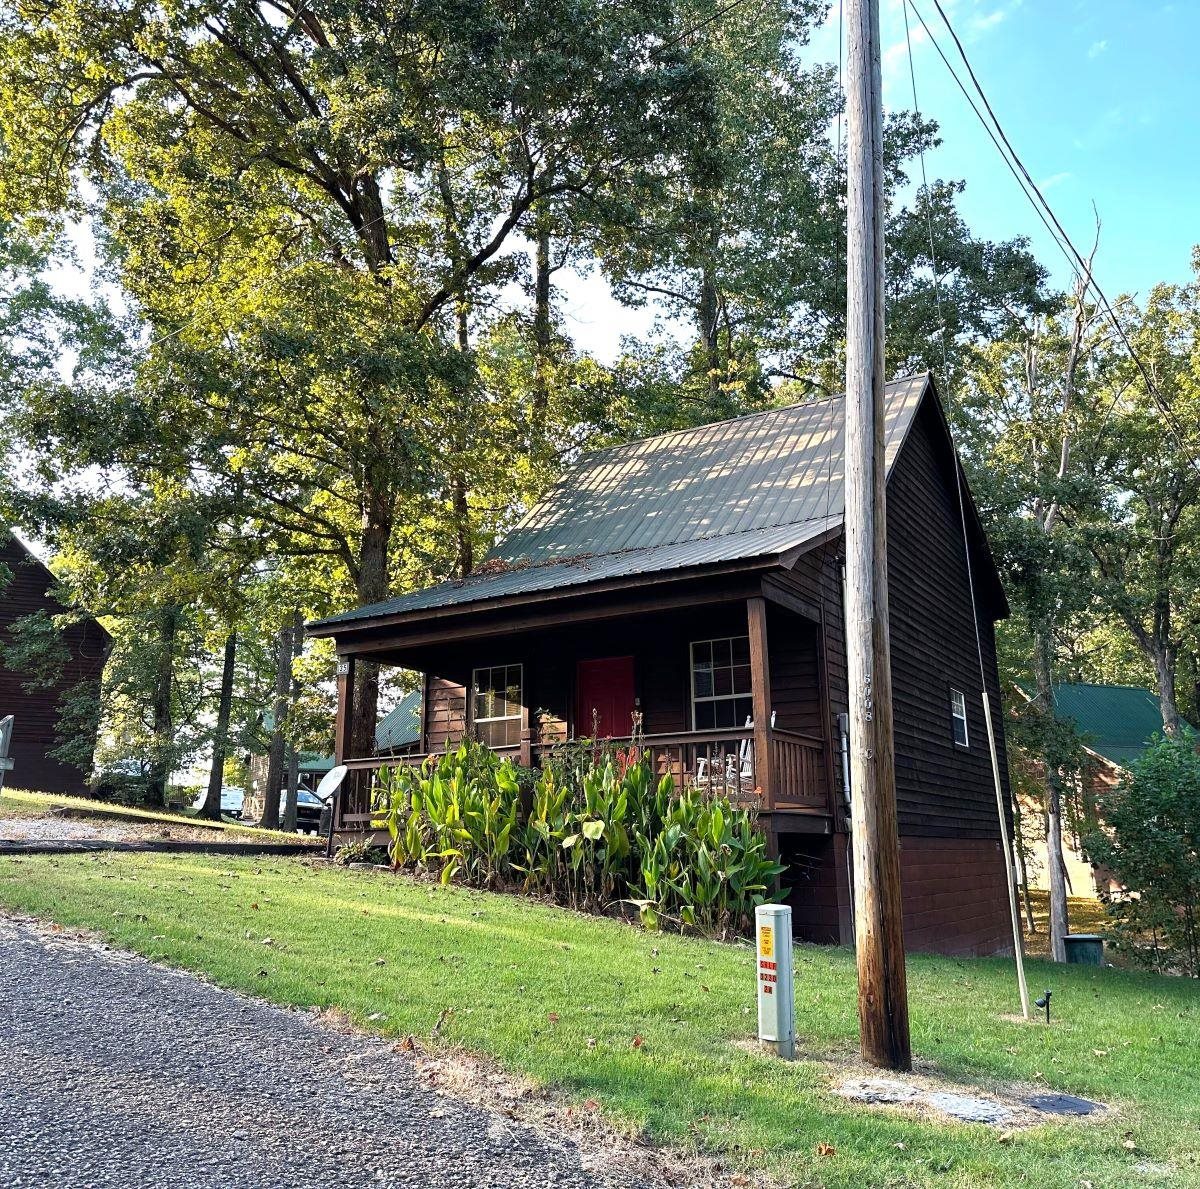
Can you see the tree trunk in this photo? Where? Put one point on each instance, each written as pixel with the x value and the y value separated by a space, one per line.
pixel 462 528
pixel 275 753
pixel 373 587
pixel 1164 674
pixel 1022 863
pixel 1059 922
pixel 216 771
pixel 293 755
pixel 542 329
pixel 707 319
pixel 160 761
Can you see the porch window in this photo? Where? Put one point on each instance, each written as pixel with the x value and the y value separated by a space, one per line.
pixel 958 717
pixel 496 705
pixel 721 696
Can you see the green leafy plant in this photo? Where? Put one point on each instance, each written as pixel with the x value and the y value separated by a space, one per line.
pixel 597 828
pixel 1150 840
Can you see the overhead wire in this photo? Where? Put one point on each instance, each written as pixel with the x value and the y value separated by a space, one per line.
pixel 995 130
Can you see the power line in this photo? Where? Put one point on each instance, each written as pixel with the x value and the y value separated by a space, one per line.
pixel 1046 213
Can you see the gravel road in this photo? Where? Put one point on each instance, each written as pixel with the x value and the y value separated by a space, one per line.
pixel 117 1072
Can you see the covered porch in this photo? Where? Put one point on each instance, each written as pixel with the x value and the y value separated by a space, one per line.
pixel 724 683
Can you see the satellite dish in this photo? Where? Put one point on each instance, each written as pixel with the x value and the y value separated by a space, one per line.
pixel 331 782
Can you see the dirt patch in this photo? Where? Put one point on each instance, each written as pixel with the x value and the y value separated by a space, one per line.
pixel 932 1098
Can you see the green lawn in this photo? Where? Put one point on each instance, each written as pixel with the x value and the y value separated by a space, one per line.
pixel 24 803
pixel 561 998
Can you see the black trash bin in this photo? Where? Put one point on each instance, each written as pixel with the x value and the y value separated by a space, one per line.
pixel 1085 949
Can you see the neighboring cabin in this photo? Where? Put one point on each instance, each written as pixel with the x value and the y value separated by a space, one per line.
pixel 35 708
pixel 1116 724
pixel 695 579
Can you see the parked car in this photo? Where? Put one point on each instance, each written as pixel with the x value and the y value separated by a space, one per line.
pixel 308 809
pixel 232 798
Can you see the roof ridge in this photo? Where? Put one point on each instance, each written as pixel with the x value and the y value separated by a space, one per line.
pixel 669 433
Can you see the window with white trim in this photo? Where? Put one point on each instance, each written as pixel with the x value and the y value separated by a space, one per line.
pixel 721 683
pixel 958 717
pixel 496 705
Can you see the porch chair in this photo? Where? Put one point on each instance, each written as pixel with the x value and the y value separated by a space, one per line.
pixel 739 767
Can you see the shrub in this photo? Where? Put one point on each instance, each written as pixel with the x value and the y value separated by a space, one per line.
pixel 597 829
pixel 1150 840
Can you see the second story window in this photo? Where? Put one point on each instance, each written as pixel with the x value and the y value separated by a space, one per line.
pixel 721 683
pixel 496 703
pixel 958 717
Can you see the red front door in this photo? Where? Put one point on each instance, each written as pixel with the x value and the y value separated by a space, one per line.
pixel 604 697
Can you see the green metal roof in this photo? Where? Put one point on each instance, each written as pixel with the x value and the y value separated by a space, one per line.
pixel 1117 721
pixel 401 726
pixel 752 487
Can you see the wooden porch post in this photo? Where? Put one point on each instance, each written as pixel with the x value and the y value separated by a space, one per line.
pixel 345 709
pixel 341 732
pixel 760 688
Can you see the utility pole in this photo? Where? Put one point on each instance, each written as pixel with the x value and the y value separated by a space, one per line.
pixel 878 927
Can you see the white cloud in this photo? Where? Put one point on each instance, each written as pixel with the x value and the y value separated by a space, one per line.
pixel 1054 179
pixel 989 20
pixel 1097 48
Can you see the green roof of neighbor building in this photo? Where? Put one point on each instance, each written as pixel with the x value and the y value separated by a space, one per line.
pixel 1117 721
pixel 399 728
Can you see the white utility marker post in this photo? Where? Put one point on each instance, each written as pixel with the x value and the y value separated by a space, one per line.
pixel 773 954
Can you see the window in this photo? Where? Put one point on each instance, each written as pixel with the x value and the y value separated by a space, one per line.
pixel 496 705
pixel 721 683
pixel 958 717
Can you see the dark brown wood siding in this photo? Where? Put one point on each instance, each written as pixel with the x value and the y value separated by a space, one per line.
pixel 36 710
pixel 942 789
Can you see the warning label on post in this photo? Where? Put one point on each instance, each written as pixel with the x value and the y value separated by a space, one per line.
pixel 774 971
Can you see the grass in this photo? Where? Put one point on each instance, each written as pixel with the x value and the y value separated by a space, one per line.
pixel 562 998
pixel 22 803
pixel 1085 914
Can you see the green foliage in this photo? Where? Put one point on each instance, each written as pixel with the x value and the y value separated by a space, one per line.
pixel 591 835
pixel 1150 840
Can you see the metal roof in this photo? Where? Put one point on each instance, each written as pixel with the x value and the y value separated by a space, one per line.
pixel 401 726
pixel 1116 721
pixel 755 486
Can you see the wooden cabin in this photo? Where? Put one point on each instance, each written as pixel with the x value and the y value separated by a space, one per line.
pixel 694 579
pixel 34 705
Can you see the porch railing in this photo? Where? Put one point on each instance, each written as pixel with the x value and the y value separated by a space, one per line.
pixel 721 762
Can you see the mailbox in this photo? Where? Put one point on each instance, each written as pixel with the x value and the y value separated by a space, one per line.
pixel 773 963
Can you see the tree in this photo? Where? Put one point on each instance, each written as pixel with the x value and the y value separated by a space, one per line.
pixel 1028 399
pixel 1150 840
pixel 268 181
pixel 1143 526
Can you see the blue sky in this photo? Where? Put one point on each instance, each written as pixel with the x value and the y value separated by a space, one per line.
pixel 1102 102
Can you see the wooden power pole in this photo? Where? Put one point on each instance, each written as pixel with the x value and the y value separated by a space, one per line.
pixel 878 928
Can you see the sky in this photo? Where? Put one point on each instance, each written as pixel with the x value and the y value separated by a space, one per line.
pixel 1101 101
